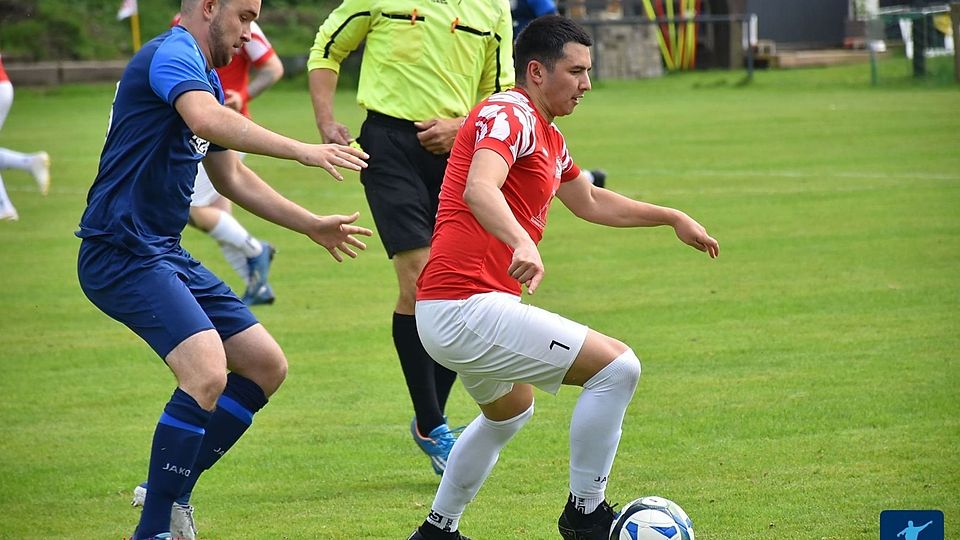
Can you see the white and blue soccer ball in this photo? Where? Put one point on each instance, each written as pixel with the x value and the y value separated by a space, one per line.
pixel 652 518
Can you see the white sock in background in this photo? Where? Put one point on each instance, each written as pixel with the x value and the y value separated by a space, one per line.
pixel 236 243
pixel 7 211
pixel 11 159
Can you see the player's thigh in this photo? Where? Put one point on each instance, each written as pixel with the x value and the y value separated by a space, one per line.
pixel 492 340
pixel 510 405
pixel 6 100
pixel 148 295
pixel 228 314
pixel 597 352
pixel 204 194
pixel 199 364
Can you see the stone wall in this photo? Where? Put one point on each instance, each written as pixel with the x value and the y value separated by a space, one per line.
pixel 626 51
pixel 55 73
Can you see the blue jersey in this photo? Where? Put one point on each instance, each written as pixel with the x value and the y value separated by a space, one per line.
pixel 525 11
pixel 140 199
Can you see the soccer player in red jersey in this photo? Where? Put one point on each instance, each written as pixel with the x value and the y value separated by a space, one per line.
pixel 507 163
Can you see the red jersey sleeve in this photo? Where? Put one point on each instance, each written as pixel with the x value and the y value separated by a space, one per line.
pixel 258 49
pixel 507 127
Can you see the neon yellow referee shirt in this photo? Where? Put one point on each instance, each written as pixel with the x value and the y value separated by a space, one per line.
pixel 423 58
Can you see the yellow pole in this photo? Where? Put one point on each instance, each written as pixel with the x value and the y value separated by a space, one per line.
pixel 664 51
pixel 691 34
pixel 135 30
pixel 672 26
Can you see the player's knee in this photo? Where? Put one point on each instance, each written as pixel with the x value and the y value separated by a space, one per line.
pixel 511 425
pixel 631 367
pixel 280 370
pixel 524 417
pixel 206 388
pixel 273 374
pixel 622 373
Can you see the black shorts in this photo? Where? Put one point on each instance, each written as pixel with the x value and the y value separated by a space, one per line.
pixel 402 182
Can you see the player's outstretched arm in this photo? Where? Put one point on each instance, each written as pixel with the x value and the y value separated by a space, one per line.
pixel 227 128
pixel 606 207
pixel 336 233
pixel 238 183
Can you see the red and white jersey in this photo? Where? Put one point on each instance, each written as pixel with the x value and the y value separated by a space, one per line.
pixel 3 72
pixel 235 76
pixel 465 259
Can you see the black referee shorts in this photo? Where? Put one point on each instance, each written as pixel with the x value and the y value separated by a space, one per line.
pixel 402 182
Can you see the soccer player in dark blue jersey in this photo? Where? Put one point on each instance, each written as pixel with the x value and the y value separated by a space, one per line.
pixel 167 117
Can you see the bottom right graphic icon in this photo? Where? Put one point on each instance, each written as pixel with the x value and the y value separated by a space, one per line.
pixel 911 525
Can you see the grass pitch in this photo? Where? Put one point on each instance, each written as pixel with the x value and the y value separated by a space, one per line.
pixel 792 389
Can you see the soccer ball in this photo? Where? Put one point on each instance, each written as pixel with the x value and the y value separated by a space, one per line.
pixel 652 518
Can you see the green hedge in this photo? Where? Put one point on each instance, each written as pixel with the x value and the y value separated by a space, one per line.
pixel 36 30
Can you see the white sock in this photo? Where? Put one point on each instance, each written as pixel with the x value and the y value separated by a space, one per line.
pixel 237 260
pixel 471 460
pixel 588 175
pixel 229 231
pixel 236 243
pixel 11 159
pixel 595 428
pixel 6 206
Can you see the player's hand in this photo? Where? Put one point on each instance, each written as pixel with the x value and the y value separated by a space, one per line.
pixel 437 134
pixel 331 156
pixel 337 235
pixel 233 99
pixel 692 233
pixel 335 132
pixel 526 266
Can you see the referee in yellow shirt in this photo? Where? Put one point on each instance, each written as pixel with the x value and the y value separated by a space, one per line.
pixel 425 65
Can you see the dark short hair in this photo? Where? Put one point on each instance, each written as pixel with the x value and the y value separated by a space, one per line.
pixel 543 40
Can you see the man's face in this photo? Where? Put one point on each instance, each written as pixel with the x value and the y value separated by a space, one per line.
pixel 230 29
pixel 565 84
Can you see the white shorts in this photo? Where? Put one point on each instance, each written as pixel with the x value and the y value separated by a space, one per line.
pixel 6 100
pixel 204 194
pixel 492 341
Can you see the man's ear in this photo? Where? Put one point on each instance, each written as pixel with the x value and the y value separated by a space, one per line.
pixel 208 7
pixel 535 71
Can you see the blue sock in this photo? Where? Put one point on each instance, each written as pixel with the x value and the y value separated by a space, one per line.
pixel 241 399
pixel 175 443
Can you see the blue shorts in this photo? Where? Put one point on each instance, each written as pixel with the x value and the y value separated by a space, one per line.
pixel 164 299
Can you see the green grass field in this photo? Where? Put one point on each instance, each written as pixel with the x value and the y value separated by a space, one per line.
pixel 793 388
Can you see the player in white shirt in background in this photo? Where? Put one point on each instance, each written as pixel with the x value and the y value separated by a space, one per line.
pixel 37 164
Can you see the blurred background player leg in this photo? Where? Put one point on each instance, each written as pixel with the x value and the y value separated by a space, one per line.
pixel 249 257
pixel 597 177
pixel 37 164
pixel 7 210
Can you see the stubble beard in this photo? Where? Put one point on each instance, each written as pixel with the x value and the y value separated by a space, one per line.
pixel 220 52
